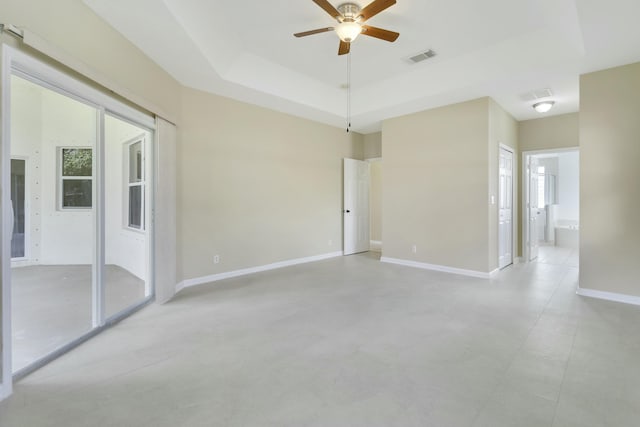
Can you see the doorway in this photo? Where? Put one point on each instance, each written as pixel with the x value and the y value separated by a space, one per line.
pixel 375 204
pixel 551 206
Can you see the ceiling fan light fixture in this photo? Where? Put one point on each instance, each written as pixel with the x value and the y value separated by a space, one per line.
pixel 348 31
pixel 543 106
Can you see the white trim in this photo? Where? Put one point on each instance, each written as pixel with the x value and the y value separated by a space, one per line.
pixel 553 150
pixel 243 272
pixel 495 272
pixel 609 296
pixel 434 267
pixel 375 245
pixel 98 199
pixel 6 378
pixel 180 286
pixel 506 147
pixel 5 391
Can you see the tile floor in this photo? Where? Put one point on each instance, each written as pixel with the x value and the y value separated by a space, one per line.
pixel 558 255
pixel 51 305
pixel 354 342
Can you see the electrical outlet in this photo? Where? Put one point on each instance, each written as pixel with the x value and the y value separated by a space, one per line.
pixel 414 249
pixel 216 259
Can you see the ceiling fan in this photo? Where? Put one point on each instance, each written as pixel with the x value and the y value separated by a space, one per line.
pixel 351 21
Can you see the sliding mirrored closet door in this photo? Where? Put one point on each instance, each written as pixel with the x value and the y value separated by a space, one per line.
pixel 80 181
pixel 53 143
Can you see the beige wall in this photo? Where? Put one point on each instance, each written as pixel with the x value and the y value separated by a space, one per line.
pixel 503 129
pixel 75 29
pixel 373 145
pixel 610 180
pixel 436 186
pixel 375 200
pixel 548 133
pixel 256 186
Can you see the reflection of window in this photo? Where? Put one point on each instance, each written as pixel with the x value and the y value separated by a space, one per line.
pixel 541 188
pixel 135 184
pixel 76 178
pixel 541 185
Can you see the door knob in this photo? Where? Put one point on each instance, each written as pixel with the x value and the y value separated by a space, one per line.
pixel 347 211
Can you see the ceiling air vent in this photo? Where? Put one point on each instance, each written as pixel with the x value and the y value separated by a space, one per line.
pixel 537 94
pixel 422 56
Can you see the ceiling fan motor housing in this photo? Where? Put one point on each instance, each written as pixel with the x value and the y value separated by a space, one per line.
pixel 349 11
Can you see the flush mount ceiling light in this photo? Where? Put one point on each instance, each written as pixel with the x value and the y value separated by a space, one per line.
pixel 544 106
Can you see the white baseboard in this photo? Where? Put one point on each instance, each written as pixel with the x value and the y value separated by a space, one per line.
pixel 375 245
pixel 434 267
pixel 609 296
pixel 180 286
pixel 243 272
pixel 5 390
pixel 494 273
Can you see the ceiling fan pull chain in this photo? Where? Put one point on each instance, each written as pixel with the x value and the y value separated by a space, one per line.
pixel 349 91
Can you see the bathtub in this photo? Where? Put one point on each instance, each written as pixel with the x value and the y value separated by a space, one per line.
pixel 567 233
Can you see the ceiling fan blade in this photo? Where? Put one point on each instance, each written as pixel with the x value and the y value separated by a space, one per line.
pixel 379 33
pixel 309 33
pixel 344 48
pixel 375 7
pixel 328 7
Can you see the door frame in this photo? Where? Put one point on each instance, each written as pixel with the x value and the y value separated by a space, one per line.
pixel 526 247
pixel 374 245
pixel 514 203
pixel 15 61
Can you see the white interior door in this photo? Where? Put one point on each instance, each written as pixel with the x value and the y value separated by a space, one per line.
pixel 505 240
pixel 356 206
pixel 532 205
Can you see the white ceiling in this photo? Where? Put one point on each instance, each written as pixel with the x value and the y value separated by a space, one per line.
pixel 499 48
